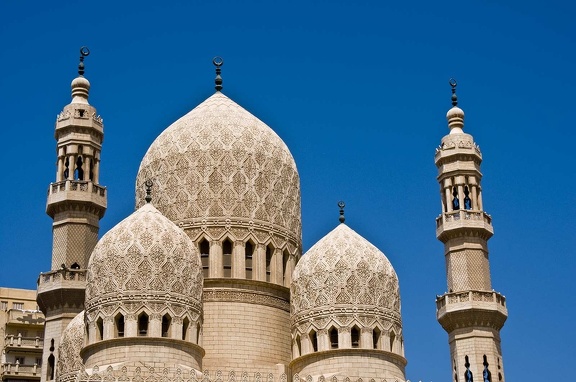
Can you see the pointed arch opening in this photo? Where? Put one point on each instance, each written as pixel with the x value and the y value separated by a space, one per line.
pixel 227 257
pixel 249 253
pixel 269 253
pixel 79 171
pixel 166 325
pixel 392 341
pixel 185 327
pixel 198 333
pixel 50 370
pixel 119 325
pixel 333 335
pixel 314 340
pixel 99 329
pixel 285 275
pixel 204 247
pixel 298 345
pixel 376 337
pixel 355 337
pixel 143 321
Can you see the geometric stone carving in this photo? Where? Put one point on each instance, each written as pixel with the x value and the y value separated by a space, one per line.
pixel 71 342
pixel 219 163
pixel 344 278
pixel 145 259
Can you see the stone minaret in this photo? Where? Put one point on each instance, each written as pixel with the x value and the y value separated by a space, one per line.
pixel 76 203
pixel 471 312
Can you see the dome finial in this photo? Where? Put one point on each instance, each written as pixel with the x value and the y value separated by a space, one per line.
pixel 455 115
pixel 453 84
pixel 84 52
pixel 341 204
pixel 149 185
pixel 218 62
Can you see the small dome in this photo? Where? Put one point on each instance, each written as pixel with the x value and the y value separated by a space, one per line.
pixel 455 117
pixel 343 270
pixel 218 163
pixel 144 257
pixel 80 90
pixel 71 342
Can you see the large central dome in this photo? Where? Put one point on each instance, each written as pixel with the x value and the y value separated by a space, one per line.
pixel 221 164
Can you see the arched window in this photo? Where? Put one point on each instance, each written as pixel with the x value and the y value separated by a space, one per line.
pixel 66 168
pixel 314 340
pixel 355 337
pixel 198 333
pixel 376 335
pixel 50 371
pixel 204 248
pixel 185 327
pixel 455 200
pixel 249 252
pixel 119 325
pixel 143 324
pixel 166 323
pixel 227 257
pixel 299 345
pixel 392 340
pixel 467 200
pixel 269 253
pixel 99 328
pixel 79 172
pixel 333 334
pixel 285 259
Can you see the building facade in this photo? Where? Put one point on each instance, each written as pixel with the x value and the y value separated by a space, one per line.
pixel 21 335
pixel 206 280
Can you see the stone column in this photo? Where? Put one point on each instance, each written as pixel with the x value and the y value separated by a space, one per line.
pixel 366 338
pixel 155 326
pixel 216 264
pixel 239 260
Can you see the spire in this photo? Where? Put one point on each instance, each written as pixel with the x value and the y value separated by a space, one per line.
pixel 218 62
pixel 80 85
pixel 149 185
pixel 341 204
pixel 455 115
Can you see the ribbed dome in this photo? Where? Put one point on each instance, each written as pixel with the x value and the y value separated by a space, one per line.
pixel 220 162
pixel 343 270
pixel 144 257
pixel 71 342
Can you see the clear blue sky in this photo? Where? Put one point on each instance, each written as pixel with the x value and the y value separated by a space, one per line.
pixel 358 91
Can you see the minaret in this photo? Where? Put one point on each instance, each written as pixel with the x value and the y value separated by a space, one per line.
pixel 76 203
pixel 471 312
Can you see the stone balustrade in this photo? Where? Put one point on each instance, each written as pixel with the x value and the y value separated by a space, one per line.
pixel 61 278
pixel 472 296
pixel 20 370
pixel 77 185
pixel 23 342
pixel 463 215
pixel 61 275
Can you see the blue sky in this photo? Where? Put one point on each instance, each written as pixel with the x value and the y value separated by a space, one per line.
pixel 358 91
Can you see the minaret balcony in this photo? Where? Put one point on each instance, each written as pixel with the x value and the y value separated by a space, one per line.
pixel 79 191
pixel 61 282
pixel 458 221
pixel 471 308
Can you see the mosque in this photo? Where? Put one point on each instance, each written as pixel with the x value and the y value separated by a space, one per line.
pixel 206 282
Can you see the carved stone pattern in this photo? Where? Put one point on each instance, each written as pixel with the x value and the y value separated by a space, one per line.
pixel 72 243
pixel 343 277
pixel 468 269
pixel 71 342
pixel 249 297
pixel 146 259
pixel 221 162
